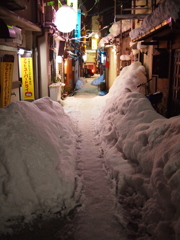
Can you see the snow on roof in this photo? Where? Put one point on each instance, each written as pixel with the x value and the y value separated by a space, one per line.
pixel 115 30
pixel 167 9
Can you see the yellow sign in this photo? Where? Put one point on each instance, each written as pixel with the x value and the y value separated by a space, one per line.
pixel 6 68
pixel 94 44
pixel 73 4
pixel 27 77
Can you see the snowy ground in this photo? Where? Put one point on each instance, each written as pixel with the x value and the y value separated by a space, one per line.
pixel 112 156
pixel 140 151
pixel 100 216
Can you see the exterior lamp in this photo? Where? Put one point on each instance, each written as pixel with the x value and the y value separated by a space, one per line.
pixel 103 58
pixel 96 35
pixel 21 51
pixel 59 59
pixel 84 57
pixel 66 19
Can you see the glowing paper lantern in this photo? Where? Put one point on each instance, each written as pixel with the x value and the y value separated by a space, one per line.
pixel 66 19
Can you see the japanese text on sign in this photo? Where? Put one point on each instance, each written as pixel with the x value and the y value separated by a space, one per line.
pixel 27 78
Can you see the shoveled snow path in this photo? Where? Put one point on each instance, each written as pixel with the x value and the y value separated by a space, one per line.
pixel 100 214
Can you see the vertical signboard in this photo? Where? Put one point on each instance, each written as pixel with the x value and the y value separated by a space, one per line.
pixel 27 77
pixel 77 34
pixel 77 31
pixel 94 44
pixel 6 75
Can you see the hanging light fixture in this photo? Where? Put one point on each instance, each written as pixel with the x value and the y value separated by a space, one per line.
pixel 66 19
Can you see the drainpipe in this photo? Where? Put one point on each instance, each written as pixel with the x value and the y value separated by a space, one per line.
pixel 120 45
pixel 170 81
pixel 133 12
pixel 38 72
pixel 38 62
pixel 153 4
pixel 114 10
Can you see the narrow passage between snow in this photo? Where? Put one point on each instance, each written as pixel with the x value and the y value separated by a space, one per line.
pixel 98 217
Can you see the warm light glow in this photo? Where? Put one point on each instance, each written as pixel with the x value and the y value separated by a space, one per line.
pixel 59 59
pixel 94 44
pixel 21 51
pixel 66 19
pixel 103 58
pixel 84 57
pixel 96 36
pixel 65 66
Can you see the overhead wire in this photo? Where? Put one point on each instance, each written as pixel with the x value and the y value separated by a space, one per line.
pixel 96 1
pixel 108 8
pixel 82 3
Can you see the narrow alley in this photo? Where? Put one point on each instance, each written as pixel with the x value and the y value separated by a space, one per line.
pixel 97 217
pixel 90 120
pixel 94 167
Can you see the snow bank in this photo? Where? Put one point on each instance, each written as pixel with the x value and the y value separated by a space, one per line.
pixel 129 78
pixel 142 152
pixel 37 162
pixel 98 80
pixel 167 9
pixel 79 84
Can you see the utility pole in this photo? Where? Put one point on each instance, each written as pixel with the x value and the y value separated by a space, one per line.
pixel 114 11
pixel 119 43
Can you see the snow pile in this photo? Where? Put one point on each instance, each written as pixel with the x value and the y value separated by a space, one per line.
pixel 115 30
pixel 167 9
pixel 79 84
pixel 98 80
pixel 129 78
pixel 37 162
pixel 125 57
pixel 142 151
pixel 108 39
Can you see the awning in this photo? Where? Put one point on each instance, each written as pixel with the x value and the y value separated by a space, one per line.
pixel 165 26
pixel 160 18
pixel 14 19
pixel 13 4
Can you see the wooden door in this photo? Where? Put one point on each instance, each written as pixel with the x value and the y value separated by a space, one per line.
pixel 175 100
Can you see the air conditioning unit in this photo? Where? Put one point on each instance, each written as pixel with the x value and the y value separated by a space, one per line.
pixel 50 14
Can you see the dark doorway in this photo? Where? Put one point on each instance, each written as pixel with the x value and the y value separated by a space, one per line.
pixel 175 92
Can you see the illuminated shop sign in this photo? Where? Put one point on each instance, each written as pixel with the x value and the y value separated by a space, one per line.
pixel 94 44
pixel 77 34
pixel 6 75
pixel 27 77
